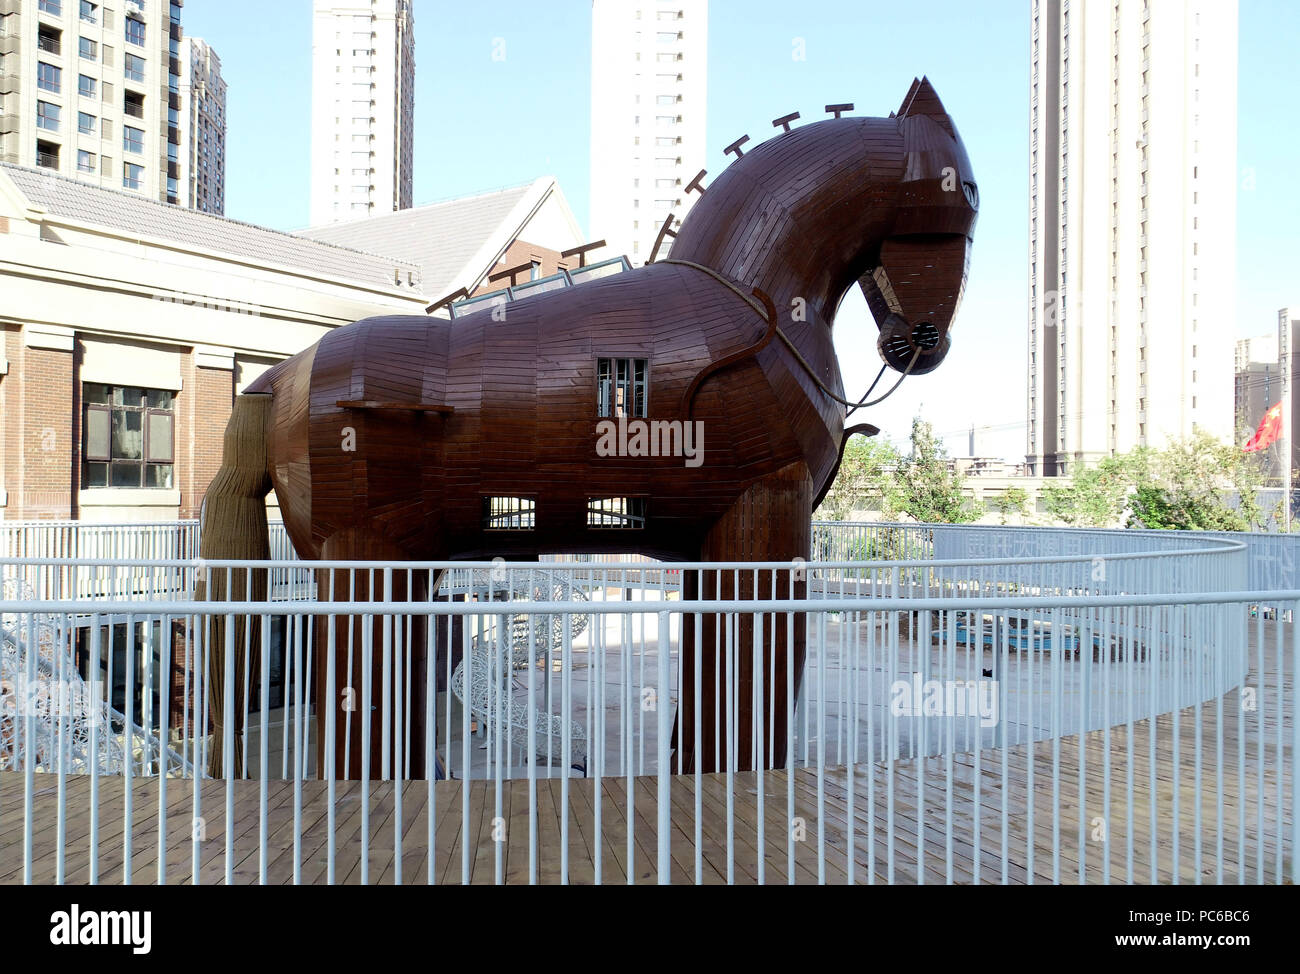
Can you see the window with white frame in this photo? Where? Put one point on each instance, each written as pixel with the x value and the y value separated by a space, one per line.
pixel 47 116
pixel 49 77
pixel 129 436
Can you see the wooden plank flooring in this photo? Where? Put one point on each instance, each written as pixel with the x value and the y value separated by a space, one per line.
pixel 1103 827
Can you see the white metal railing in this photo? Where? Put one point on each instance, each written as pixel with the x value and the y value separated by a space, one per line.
pixel 1273 560
pixel 83 539
pixel 37 670
pixel 929 687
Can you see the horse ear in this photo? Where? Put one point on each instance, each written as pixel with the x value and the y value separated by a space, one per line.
pixel 922 99
pixel 907 99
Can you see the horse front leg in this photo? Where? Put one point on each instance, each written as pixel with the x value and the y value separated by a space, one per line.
pixel 729 718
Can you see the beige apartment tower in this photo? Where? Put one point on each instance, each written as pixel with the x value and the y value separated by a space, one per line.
pixel 649 68
pixel 91 90
pixel 1132 193
pixel 363 109
pixel 203 101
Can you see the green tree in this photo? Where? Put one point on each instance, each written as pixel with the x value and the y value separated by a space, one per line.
pixel 1200 484
pixel 864 478
pixel 1096 496
pixel 924 486
pixel 1014 500
pixel 1197 483
pixel 1278 520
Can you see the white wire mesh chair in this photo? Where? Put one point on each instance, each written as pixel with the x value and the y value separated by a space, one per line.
pixel 63 706
pixel 545 634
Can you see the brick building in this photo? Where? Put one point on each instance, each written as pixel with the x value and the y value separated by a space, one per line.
pixel 128 326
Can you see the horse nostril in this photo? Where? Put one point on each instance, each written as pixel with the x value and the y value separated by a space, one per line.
pixel 895 347
pixel 925 336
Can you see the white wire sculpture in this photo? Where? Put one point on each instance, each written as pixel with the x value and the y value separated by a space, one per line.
pixel 488 652
pixel 39 679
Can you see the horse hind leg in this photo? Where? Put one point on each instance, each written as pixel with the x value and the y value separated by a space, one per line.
pixel 233 527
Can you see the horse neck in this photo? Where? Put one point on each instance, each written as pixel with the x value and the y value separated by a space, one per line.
pixel 803 215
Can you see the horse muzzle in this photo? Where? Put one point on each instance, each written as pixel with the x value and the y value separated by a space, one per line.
pixel 922 346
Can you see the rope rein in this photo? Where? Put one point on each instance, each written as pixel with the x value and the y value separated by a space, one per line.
pixel 798 357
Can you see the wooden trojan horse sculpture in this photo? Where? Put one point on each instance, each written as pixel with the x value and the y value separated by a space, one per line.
pixel 729 337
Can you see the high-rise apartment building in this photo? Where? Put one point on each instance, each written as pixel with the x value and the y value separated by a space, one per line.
pixel 363 108
pixel 649 65
pixel 203 106
pixel 91 90
pixel 1132 300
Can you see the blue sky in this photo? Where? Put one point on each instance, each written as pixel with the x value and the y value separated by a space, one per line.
pixel 483 123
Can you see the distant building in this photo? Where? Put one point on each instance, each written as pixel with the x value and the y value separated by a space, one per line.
pixel 975 466
pixel 91 91
pixel 362 108
pixel 203 106
pixel 1257 386
pixel 649 69
pixel 464 243
pixel 127 328
pixel 991 486
pixel 1288 358
pixel 1132 223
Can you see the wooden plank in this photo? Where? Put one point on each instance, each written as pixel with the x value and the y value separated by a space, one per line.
pixel 973 796
pixel 414 407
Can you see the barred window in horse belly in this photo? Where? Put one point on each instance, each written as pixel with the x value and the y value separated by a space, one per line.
pixel 509 513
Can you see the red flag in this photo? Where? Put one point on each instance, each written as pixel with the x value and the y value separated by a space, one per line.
pixel 1270 428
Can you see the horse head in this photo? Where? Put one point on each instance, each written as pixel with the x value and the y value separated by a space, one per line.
pixel 915 284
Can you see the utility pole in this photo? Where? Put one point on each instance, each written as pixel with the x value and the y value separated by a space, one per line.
pixel 1284 378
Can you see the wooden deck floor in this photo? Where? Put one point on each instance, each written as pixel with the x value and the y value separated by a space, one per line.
pixel 1244 831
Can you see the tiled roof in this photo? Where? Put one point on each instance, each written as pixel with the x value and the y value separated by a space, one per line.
pixel 122 211
pixel 441 237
